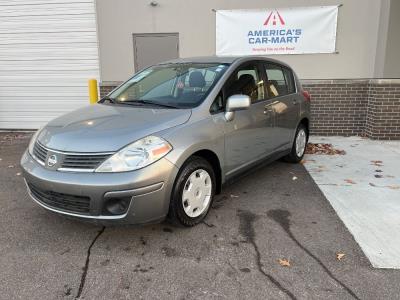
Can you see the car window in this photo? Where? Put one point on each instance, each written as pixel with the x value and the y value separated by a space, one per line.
pixel 246 81
pixel 181 85
pixel 208 75
pixel 276 81
pixel 289 80
pixel 218 104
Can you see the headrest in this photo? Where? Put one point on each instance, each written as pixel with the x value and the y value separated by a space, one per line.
pixel 196 79
pixel 246 79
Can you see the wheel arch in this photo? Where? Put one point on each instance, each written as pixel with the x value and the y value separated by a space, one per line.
pixel 306 122
pixel 214 161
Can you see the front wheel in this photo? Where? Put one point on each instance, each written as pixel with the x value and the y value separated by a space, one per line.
pixel 299 145
pixel 193 192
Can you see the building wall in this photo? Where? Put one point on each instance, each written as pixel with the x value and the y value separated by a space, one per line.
pixel 383 110
pixel 338 107
pixel 357 34
pixel 392 61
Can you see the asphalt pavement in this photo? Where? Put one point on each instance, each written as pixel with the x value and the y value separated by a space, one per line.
pixel 274 213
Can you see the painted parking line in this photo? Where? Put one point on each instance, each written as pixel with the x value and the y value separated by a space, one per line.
pixel 363 186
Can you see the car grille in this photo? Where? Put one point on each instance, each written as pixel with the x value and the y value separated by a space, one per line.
pixel 66 202
pixel 40 152
pixel 70 161
pixel 83 161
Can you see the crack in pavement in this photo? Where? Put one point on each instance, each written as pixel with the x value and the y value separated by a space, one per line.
pixel 246 229
pixel 207 224
pixel 86 267
pixel 282 217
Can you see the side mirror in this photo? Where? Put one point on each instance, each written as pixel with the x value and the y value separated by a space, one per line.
pixel 234 103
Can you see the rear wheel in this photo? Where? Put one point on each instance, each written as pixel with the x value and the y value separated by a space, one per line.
pixel 299 145
pixel 193 192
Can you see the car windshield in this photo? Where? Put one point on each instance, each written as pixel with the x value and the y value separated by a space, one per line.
pixel 177 85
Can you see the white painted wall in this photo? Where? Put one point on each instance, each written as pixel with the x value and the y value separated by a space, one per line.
pixel 357 35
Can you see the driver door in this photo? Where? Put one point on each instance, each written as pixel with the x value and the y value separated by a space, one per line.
pixel 248 137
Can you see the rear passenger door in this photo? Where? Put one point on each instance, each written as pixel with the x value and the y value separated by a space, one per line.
pixel 281 90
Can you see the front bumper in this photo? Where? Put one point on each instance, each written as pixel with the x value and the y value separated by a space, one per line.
pixel 148 190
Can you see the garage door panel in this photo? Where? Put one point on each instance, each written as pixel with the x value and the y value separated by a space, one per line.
pixel 36 120
pixel 45 83
pixel 44 9
pixel 49 38
pixel 37 105
pixel 53 65
pixel 46 75
pixel 39 91
pixel 40 2
pixel 77 23
pixel 48 51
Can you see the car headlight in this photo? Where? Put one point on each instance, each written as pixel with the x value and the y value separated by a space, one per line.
pixel 136 155
pixel 33 141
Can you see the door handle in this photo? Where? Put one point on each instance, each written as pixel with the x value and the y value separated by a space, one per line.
pixel 295 102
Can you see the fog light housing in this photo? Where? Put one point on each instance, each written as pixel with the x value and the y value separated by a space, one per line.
pixel 116 206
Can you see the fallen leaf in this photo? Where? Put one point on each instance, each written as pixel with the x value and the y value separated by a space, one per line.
pixel 321 148
pixel 350 181
pixel 294 178
pixel 339 256
pixel 393 187
pixel 308 160
pixel 284 262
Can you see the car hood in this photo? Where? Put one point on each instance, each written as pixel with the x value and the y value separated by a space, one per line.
pixel 101 127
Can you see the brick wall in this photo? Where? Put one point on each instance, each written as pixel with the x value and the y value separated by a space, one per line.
pixel 383 112
pixel 105 88
pixel 338 107
pixel 369 107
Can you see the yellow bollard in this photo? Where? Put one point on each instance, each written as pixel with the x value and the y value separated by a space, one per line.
pixel 93 93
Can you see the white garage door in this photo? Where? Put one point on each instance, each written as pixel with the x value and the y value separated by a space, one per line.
pixel 48 51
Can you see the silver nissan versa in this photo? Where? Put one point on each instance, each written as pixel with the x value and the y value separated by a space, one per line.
pixel 163 143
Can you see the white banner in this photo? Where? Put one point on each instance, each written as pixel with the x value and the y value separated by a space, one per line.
pixel 276 31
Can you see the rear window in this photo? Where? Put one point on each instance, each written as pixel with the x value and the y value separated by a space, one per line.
pixel 280 81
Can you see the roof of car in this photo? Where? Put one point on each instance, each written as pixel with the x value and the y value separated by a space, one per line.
pixel 221 59
pixel 204 59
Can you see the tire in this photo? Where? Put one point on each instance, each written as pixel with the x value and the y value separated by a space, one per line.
pixel 296 155
pixel 193 192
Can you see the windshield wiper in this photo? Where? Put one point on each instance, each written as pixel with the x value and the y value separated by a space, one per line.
pixel 112 100
pixel 140 101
